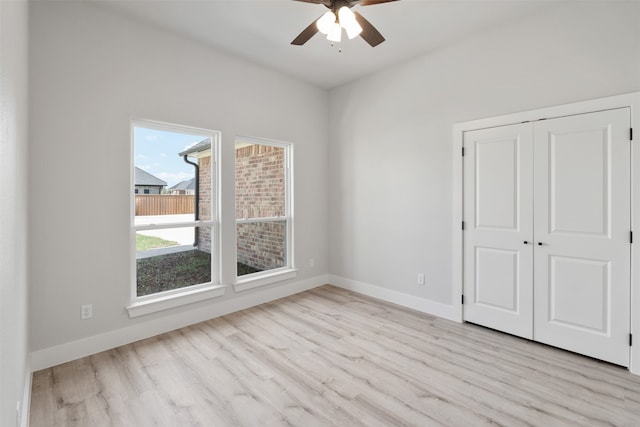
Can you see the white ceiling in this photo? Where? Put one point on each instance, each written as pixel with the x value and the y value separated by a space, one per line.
pixel 261 30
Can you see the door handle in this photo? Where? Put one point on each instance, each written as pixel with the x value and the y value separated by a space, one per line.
pixel 526 243
pixel 540 243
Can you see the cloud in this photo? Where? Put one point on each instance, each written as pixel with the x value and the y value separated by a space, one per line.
pixel 173 178
pixel 151 137
pixel 163 154
pixel 145 167
pixel 142 156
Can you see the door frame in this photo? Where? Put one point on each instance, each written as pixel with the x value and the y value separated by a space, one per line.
pixel 630 100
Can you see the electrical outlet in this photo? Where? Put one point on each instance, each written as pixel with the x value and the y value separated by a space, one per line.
pixel 86 311
pixel 420 278
pixel 312 262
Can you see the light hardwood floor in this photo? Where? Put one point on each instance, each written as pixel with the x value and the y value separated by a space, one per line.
pixel 329 357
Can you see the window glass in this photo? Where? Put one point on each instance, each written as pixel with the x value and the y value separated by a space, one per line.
pixel 262 206
pixel 173 218
pixel 166 259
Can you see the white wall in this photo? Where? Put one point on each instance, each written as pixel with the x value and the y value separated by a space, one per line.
pixel 91 71
pixel 391 134
pixel 13 208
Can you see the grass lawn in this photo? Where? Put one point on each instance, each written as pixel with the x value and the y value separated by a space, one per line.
pixel 144 243
pixel 178 270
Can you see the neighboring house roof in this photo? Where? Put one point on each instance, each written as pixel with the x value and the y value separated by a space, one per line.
pixel 205 144
pixel 185 185
pixel 143 177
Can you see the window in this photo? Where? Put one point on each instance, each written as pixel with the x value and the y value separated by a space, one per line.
pixel 175 235
pixel 264 223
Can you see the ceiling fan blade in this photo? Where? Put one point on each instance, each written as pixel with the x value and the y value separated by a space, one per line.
pixel 306 34
pixel 369 32
pixel 370 2
pixel 324 2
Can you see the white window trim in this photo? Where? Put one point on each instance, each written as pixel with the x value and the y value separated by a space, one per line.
pixel 148 304
pixel 175 298
pixel 263 278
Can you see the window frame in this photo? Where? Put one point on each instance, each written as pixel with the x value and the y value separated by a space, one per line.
pixel 142 305
pixel 262 278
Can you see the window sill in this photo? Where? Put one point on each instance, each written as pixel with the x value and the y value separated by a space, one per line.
pixel 251 281
pixel 167 301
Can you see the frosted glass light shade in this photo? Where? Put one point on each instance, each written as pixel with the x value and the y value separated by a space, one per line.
pixel 348 22
pixel 325 22
pixel 335 34
pixel 353 30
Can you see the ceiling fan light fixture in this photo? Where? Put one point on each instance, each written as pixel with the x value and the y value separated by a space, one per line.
pixel 335 34
pixel 338 17
pixel 353 30
pixel 348 22
pixel 325 22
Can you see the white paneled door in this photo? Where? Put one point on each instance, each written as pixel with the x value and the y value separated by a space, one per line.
pixel 547 236
pixel 582 264
pixel 498 246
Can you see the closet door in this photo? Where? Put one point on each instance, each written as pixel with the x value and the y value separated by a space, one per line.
pixel 498 232
pixel 582 225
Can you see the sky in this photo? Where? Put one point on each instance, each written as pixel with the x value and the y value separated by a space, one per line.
pixel 156 152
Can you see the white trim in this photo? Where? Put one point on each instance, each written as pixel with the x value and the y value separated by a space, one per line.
pixel 423 305
pixel 171 127
pixel 256 220
pixel 457 245
pixel 175 298
pixel 168 225
pixel 630 100
pixel 25 410
pixel 52 356
pixel 144 305
pixel 634 361
pixel 271 276
pixel 256 280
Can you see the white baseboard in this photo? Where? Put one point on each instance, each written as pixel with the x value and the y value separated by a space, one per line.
pixel 52 356
pixel 410 301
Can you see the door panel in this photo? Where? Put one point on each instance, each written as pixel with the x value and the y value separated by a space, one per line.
pixel 498 197
pixel 579 198
pixel 591 280
pixel 582 219
pixel 496 279
pixel 496 178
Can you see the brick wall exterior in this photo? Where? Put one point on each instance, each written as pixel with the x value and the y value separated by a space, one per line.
pixel 204 233
pixel 261 245
pixel 260 193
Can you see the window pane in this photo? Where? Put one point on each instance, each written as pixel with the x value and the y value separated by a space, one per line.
pixel 164 183
pixel 261 246
pixel 260 181
pixel 167 259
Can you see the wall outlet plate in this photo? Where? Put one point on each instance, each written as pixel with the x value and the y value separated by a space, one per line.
pixel 86 311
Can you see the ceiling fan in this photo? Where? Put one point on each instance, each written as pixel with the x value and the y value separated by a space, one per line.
pixel 341 16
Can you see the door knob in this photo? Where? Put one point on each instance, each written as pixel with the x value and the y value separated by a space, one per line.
pixel 540 243
pixel 526 243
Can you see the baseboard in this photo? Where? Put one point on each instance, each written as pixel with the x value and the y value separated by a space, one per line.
pixel 409 301
pixel 52 356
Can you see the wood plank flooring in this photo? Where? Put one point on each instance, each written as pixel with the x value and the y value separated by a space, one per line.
pixel 329 357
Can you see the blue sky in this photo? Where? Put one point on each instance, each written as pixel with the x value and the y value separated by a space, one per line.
pixel 156 152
